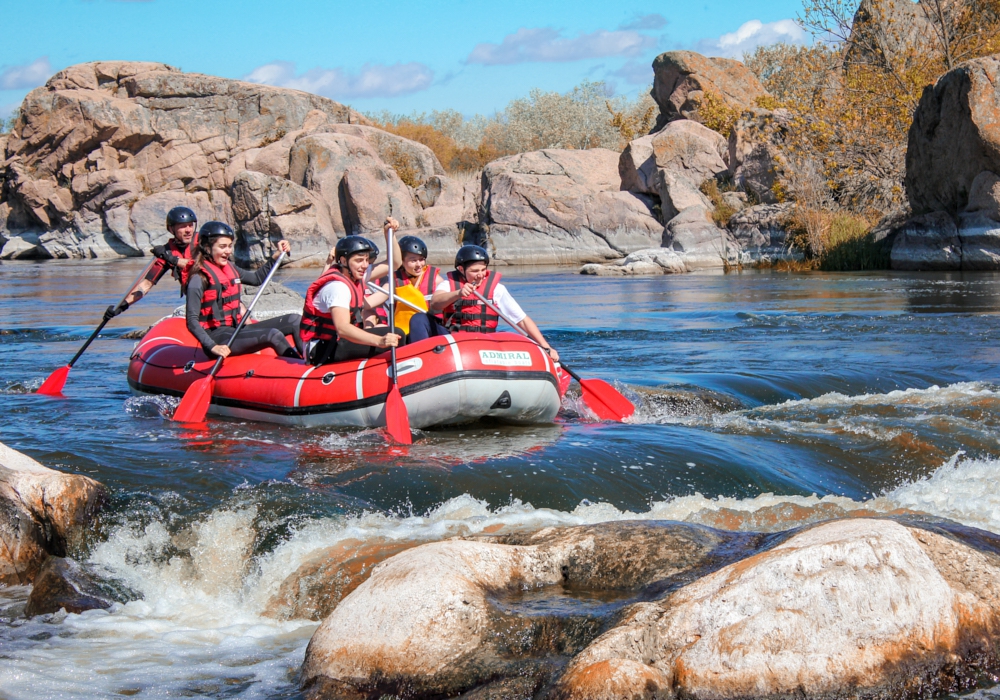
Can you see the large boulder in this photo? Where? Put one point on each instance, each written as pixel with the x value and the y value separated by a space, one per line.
pixel 428 620
pixel 414 162
pixel 854 608
pixel 268 209
pixel 562 206
pixel 359 189
pixel 673 163
pixel 927 242
pixel 681 79
pixel 701 244
pixel 761 233
pixel 42 512
pixel 755 162
pixel 954 137
pixel 99 138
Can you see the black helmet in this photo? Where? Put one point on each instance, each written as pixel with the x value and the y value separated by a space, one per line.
pixel 351 245
pixel 181 215
pixel 471 254
pixel 215 229
pixel 412 244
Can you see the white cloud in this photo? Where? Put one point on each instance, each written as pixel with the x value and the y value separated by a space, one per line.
pixel 651 21
pixel 27 76
pixel 373 80
pixel 751 35
pixel 547 45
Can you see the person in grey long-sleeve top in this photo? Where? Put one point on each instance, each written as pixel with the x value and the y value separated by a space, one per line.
pixel 213 300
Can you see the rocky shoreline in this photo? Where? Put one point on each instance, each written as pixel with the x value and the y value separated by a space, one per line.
pixel 103 150
pixel 896 606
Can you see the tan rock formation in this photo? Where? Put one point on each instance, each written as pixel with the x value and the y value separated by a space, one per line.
pixel 954 137
pixel 425 619
pixel 672 163
pixel 558 206
pixel 865 607
pixel 42 511
pixel 99 138
pixel 681 79
pixel 268 209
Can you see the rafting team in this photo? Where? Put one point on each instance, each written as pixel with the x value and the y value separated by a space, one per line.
pixel 343 317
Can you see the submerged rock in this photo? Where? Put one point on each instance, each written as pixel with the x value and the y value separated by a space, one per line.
pixel 42 512
pixel 61 584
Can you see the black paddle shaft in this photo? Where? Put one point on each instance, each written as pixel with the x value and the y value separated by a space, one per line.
pixel 246 316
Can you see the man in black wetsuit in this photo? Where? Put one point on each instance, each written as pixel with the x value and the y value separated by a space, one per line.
pixel 176 256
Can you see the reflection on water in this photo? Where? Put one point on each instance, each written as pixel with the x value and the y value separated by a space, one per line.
pixel 765 401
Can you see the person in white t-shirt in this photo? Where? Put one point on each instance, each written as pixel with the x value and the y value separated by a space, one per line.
pixel 461 310
pixel 337 324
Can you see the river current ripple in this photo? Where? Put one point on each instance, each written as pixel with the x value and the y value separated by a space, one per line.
pixel 766 400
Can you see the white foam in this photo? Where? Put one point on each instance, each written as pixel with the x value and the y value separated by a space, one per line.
pixel 961 489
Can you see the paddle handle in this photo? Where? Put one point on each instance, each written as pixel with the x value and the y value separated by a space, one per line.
pixel 246 316
pixel 104 322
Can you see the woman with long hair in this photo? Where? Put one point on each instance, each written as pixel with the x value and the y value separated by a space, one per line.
pixel 213 300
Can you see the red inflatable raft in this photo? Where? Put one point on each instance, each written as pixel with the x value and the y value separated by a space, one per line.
pixel 446 380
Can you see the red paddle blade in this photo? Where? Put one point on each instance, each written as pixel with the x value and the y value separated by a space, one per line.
pixel 53 386
pixel 194 404
pixel 606 401
pixel 397 420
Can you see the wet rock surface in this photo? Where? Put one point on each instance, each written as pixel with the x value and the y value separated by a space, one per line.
pixel 62 584
pixel 42 513
pixel 866 607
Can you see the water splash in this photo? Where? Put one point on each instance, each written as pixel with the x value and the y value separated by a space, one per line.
pixel 151 406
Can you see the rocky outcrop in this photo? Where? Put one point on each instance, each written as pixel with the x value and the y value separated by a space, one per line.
pixel 954 137
pixel 560 206
pixel 760 232
pixel 430 620
pixel 268 209
pixel 754 157
pixel 681 79
pixel 857 607
pixel 652 261
pixel 693 235
pixel 62 584
pixel 927 242
pixel 42 512
pixel 672 163
pixel 865 607
pixel 100 139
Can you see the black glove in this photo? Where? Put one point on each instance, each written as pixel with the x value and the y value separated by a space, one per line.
pixel 160 251
pixel 112 311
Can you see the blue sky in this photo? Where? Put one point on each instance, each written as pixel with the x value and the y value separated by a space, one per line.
pixel 381 54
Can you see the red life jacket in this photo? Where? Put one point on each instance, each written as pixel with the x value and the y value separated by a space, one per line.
pixel 317 325
pixel 220 303
pixel 425 286
pixel 468 313
pixel 187 253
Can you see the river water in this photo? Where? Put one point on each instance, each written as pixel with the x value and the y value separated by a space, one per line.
pixel 766 400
